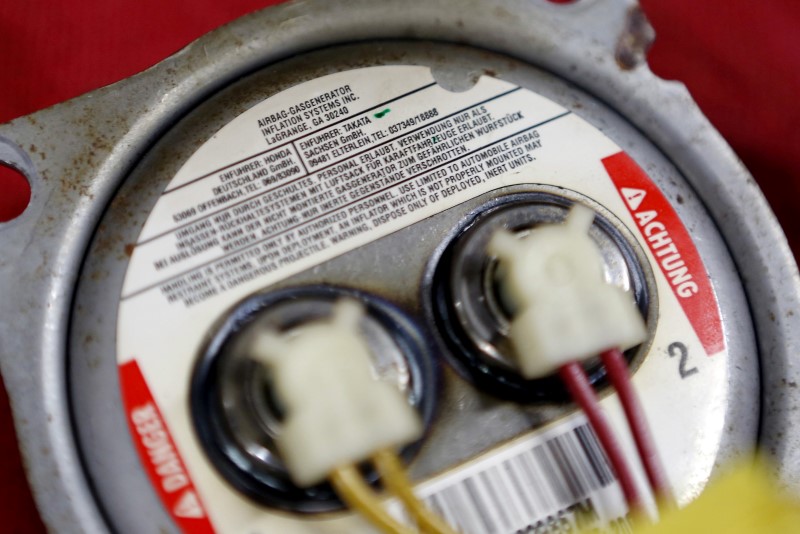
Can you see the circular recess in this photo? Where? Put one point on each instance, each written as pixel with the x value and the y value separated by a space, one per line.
pixel 16 193
pixel 470 314
pixel 236 416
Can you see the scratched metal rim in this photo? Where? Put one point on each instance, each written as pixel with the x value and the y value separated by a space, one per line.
pixel 601 45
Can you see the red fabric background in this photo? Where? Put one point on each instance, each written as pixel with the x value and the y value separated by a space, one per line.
pixel 740 59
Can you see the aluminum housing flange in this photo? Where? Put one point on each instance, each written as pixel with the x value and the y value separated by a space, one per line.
pixel 91 144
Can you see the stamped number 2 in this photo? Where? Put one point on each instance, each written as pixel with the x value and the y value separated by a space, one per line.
pixel 679 349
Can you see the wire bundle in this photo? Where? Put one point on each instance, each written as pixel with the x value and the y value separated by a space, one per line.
pixel 579 387
pixel 617 369
pixel 352 489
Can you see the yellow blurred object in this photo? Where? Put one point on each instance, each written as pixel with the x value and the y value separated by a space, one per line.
pixel 743 501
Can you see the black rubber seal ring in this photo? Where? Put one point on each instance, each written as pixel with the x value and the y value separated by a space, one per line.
pixel 271 488
pixel 462 353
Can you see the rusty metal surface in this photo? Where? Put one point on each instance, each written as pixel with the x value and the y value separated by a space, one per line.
pixel 78 153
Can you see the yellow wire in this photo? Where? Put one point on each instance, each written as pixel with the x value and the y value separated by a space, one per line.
pixel 352 489
pixel 394 478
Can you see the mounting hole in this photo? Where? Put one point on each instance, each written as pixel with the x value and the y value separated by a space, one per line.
pixel 16 192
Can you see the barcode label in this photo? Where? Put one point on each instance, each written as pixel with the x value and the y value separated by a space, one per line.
pixel 555 481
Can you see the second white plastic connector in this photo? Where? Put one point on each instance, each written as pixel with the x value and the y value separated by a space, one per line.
pixel 562 309
pixel 336 412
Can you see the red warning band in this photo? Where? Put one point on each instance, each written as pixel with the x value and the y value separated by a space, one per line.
pixel 672 247
pixel 159 455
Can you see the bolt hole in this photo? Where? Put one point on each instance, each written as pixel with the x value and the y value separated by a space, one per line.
pixel 16 192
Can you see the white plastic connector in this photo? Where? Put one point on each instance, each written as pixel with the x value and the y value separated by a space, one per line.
pixel 563 310
pixel 336 412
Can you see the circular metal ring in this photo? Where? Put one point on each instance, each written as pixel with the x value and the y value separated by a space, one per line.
pixel 236 417
pixel 471 315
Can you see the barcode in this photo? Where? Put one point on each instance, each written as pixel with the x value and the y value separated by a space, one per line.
pixel 559 481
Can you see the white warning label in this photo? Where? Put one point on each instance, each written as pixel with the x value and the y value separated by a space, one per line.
pixel 318 188
pixel 335 163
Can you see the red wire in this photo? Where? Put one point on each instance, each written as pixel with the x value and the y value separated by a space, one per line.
pixel 578 385
pixel 617 369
